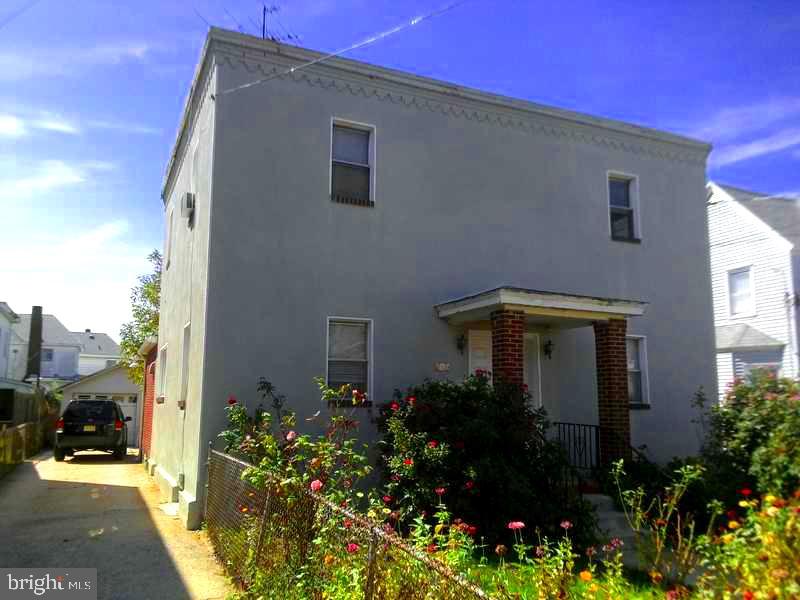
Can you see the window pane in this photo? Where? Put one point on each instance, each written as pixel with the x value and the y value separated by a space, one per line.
pixel 619 193
pixel 350 184
pixel 621 224
pixel 341 372
pixel 635 387
pixel 350 145
pixel 347 341
pixel 740 291
pixel 632 346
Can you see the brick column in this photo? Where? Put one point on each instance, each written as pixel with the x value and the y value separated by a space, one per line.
pixel 508 327
pixel 612 390
pixel 146 426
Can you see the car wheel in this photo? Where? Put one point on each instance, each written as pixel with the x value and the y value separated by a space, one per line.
pixel 58 454
pixel 119 452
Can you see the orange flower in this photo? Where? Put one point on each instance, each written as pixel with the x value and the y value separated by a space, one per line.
pixel 328 560
pixel 585 576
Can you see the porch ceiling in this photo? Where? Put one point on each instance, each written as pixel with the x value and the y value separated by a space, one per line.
pixel 541 308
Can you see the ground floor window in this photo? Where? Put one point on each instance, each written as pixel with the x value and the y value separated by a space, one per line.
pixel 637 370
pixel 747 364
pixel 349 353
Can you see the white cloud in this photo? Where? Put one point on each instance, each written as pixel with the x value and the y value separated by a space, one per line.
pixel 53 124
pixel 733 153
pixel 11 126
pixel 732 122
pixel 124 127
pixel 50 175
pixel 83 277
pixel 29 63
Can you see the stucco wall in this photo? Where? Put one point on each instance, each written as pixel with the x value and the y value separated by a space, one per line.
pixel 462 205
pixel 176 445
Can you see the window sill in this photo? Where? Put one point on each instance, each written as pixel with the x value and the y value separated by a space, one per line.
pixel 352 201
pixel 626 240
pixel 639 406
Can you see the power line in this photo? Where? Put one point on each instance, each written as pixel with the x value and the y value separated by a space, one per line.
pixel 23 9
pixel 239 25
pixel 361 44
pixel 201 17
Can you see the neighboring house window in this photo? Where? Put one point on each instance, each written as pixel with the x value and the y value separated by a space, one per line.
pixel 762 362
pixel 187 342
pixel 637 370
pixel 110 363
pixel 352 164
pixel 47 355
pixel 168 244
pixel 6 405
pixel 740 292
pixel 349 353
pixel 162 371
pixel 622 205
pixel 84 396
pixel 100 397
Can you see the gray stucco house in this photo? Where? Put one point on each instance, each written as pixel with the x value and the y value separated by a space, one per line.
pixel 379 228
pixel 755 274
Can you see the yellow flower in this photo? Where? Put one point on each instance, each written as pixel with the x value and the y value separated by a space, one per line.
pixel 733 525
pixel 769 498
pixel 744 504
pixel 773 510
pixel 727 538
pixel 594 587
pixel 585 576
pixel 371 514
pixel 438 528
pixel 386 511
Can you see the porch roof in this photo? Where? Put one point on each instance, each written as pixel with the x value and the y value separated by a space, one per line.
pixel 539 305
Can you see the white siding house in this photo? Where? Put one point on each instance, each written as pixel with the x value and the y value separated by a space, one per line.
pixel 60 350
pixel 98 351
pixel 7 319
pixel 754 241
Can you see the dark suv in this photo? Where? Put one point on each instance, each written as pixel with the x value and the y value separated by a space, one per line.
pixel 91 425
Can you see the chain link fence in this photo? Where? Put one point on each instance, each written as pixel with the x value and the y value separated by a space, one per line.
pixel 305 546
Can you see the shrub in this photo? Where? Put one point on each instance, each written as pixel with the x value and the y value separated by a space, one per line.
pixel 481 449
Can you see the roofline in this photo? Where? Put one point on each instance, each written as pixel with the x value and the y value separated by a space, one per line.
pixel 301 55
pixel 92 376
pixel 9 313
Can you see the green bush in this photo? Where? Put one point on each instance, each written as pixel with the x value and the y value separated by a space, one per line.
pixel 481 449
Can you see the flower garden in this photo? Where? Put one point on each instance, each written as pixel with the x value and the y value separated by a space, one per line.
pixel 471 502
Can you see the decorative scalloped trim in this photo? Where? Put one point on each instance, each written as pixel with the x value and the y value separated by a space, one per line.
pixel 449 109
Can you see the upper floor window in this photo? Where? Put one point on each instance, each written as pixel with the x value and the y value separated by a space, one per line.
pixel 352 164
pixel 740 292
pixel 47 355
pixel 622 205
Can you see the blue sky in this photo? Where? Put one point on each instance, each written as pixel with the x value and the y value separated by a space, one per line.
pixel 91 94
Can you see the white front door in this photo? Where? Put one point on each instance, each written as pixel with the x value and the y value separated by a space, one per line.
pixel 532 369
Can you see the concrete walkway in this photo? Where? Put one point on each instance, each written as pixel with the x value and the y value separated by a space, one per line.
pixel 91 511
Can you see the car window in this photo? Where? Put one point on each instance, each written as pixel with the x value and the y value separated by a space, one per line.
pixel 89 410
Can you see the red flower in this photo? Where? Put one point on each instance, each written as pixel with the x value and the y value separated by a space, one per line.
pixel 231 400
pixel 433 444
pixel 316 485
pixel 411 401
pixel 440 491
pixel 514 525
pixel 348 523
pixel 470 484
pixel 352 547
pixel 745 492
pixel 394 406
pixel 566 524
pixel 387 499
pixel 408 462
pixel 731 514
pixel 748 595
pixel 431 548
pixel 472 530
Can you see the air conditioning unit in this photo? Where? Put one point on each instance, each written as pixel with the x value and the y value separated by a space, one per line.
pixel 187 205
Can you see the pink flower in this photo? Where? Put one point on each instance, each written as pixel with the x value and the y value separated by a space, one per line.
pixel 411 401
pixel 316 485
pixel 352 547
pixel 469 484
pixel 440 491
pixel 387 499
pixel 433 444
pixel 394 406
pixel 291 436
pixel 231 400
pixel 514 525
pixel 565 524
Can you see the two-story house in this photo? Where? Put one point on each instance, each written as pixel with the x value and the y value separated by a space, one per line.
pixel 98 351
pixel 755 274
pixel 7 319
pixel 378 228
pixel 60 349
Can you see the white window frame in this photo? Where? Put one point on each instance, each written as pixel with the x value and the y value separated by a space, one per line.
pixel 751 272
pixel 161 371
pixel 370 355
pixel 644 368
pixel 372 156
pixel 633 189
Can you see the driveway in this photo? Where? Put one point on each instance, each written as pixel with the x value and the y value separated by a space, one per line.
pixel 91 511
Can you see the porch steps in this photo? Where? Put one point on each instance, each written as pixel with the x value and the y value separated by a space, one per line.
pixel 612 523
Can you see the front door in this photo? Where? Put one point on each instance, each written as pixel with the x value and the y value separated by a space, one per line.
pixel 532 370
